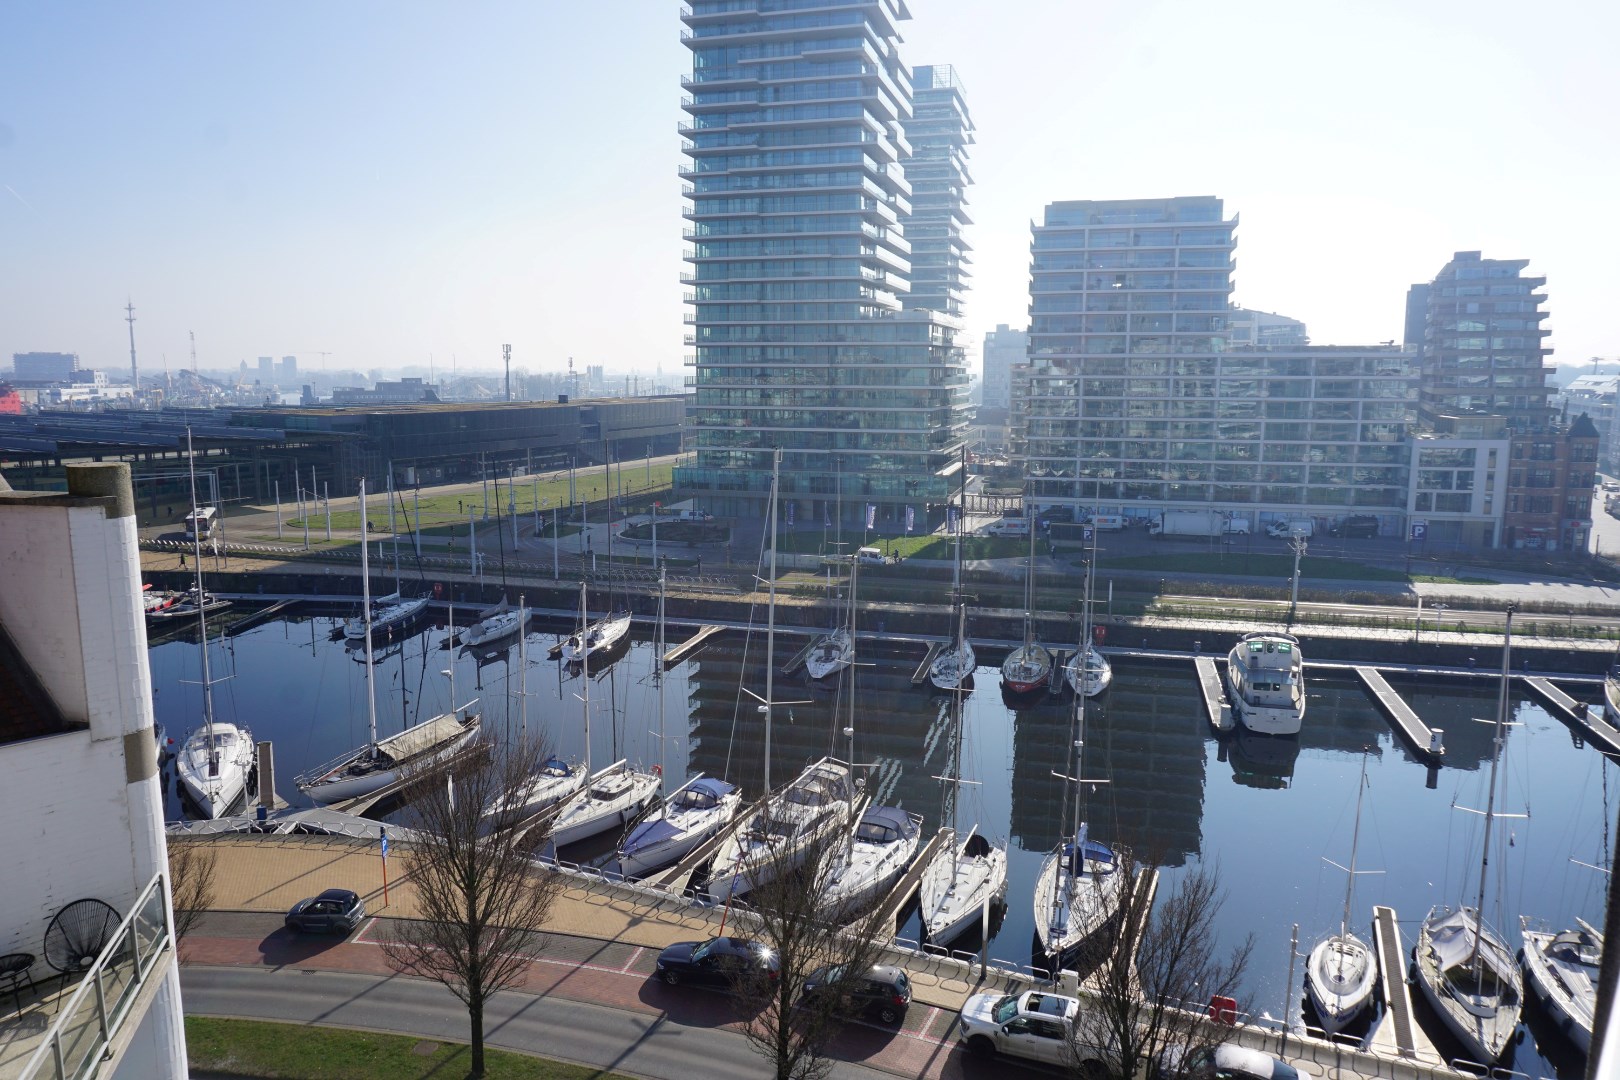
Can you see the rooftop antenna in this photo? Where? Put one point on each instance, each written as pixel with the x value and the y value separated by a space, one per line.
pixel 193 335
pixel 573 379
pixel 134 371
pixel 506 353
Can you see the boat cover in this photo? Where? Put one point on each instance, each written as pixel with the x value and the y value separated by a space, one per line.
pixel 886 824
pixel 710 787
pixel 423 737
pixel 1100 855
pixel 1452 937
pixel 649 833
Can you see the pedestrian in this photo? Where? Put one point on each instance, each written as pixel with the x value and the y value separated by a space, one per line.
pixel 182 560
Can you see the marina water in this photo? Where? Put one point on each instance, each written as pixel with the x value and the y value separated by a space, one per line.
pixel 1261 813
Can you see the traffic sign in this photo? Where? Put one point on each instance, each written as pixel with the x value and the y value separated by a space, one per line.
pixel 1420 530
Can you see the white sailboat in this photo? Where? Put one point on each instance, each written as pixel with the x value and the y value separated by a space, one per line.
pixel 214 763
pixel 818 803
pixel 697 810
pixel 831 653
pixel 611 797
pixel 380 762
pixel 955 664
pixel 385 614
pixel 1466 972
pixel 1561 971
pixel 1088 671
pixel 970 873
pixel 1028 667
pixel 557 779
pixel 1341 972
pixel 495 624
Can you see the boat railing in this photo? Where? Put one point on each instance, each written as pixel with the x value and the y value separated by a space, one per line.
pixel 311 775
pixel 86 1027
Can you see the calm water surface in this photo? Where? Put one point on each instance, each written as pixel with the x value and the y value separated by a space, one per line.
pixel 1264 814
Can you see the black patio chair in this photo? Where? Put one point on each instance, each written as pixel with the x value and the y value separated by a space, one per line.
pixel 77 934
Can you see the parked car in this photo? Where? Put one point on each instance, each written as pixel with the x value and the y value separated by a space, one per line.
pixel 335 911
pixel 1361 526
pixel 718 961
pixel 882 992
pixel 1226 1062
pixel 1033 1025
pixel 871 556
pixel 1281 530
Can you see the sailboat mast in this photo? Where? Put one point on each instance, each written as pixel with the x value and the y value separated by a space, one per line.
pixel 770 618
pixel 658 671
pixel 523 670
pixel 202 617
pixel 1029 576
pixel 1496 758
pixel 1355 842
pixel 585 673
pixel 365 609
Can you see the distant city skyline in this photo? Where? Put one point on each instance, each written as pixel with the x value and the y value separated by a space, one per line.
pixel 382 182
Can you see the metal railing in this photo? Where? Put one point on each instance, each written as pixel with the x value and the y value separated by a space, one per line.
pixel 85 1027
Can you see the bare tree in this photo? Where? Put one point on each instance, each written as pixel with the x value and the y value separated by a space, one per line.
pixel 191 882
pixel 1157 977
pixel 789 916
pixel 480 895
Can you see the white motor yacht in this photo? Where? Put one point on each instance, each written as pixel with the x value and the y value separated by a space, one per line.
pixel 1265 677
pixel 816 805
pixel 690 816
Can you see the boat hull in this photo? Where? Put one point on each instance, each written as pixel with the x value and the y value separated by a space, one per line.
pixel 1483 1022
pixel 1089 679
pixel 214 796
pixel 1340 976
pixel 600 636
pixel 667 852
pixel 1072 911
pixel 829 655
pixel 957 889
pixel 347 779
pixel 953 668
pixel 1027 669
pixel 1572 1013
pixel 587 814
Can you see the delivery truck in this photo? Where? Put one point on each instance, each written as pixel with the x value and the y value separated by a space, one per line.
pixel 1196 523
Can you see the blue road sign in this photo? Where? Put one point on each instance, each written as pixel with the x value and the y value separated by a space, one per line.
pixel 1420 530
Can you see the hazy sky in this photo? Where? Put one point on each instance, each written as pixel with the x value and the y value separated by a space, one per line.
pixel 390 180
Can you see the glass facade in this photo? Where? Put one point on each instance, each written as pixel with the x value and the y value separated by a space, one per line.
pixel 799 176
pixel 940 131
pixel 1135 400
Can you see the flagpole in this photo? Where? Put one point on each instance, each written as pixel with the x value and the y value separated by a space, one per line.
pixel 385 864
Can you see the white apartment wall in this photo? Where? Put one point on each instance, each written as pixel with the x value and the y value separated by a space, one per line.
pixel 83 809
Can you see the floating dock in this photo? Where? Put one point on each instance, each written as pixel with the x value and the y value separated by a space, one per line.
pixel 399 789
pixel 1397 1033
pixel 920 676
pixel 796 661
pixel 1060 662
pixel 1417 734
pixel 1216 706
pixel 692 644
pixel 904 889
pixel 263 615
pixel 1588 718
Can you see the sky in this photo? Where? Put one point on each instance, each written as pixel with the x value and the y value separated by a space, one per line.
pixel 394 182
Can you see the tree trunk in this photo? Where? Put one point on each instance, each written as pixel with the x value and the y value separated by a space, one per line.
pixel 475 1015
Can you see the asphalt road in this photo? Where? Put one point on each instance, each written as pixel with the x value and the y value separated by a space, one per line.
pixel 652 1045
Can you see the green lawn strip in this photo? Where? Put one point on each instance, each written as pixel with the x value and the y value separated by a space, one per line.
pixel 1254 565
pixel 299 1052
pixel 913 547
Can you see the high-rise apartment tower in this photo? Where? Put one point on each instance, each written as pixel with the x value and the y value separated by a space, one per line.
pixel 939 131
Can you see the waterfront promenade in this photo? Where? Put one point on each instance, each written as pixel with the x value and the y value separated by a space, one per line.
pixel 599 949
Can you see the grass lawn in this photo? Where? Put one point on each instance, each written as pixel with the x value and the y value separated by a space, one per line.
pixel 1266 565
pixel 299 1052
pixel 917 547
pixel 452 509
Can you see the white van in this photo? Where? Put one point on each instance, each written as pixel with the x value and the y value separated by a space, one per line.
pixel 871 556
pixel 1008 527
pixel 1297 527
pixel 1108 522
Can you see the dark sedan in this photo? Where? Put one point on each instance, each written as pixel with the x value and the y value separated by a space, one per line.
pixel 881 991
pixel 718 961
pixel 335 911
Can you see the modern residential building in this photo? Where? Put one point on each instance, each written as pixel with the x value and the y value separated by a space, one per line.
pixel 801 268
pixel 83 796
pixel 939 130
pixel 1459 491
pixel 1595 395
pixel 45 367
pixel 1004 349
pixel 287 371
pixel 1483 350
pixel 1417 315
pixel 1549 497
pixel 386 392
pixel 1245 326
pixel 267 369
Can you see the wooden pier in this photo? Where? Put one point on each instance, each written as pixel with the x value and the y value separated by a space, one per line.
pixel 257 618
pixel 920 676
pixel 1216 707
pixel 692 644
pixel 796 661
pixel 1060 662
pixel 904 889
pixel 1397 1034
pixel 1589 718
pixel 1416 733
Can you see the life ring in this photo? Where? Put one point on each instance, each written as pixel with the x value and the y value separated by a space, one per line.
pixel 658 770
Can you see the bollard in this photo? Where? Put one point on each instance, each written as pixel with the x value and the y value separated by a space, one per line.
pixel 1437 741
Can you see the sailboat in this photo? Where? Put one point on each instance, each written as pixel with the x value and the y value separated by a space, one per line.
pixel 819 801
pixel 955 664
pixel 380 762
pixel 697 810
pixel 557 779
pixel 493 624
pixel 387 613
pixel 612 797
pixel 967 876
pixel 1088 672
pixel 1080 886
pixel 1466 972
pixel 214 763
pixel 1561 970
pixel 1340 973
pixel 884 840
pixel 1028 667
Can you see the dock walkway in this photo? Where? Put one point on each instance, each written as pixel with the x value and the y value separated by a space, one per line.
pixel 1218 709
pixel 1588 719
pixel 1411 727
pixel 905 888
pixel 920 676
pixel 1398 1033
pixel 690 645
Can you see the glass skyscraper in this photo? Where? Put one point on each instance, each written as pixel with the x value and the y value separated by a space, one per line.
pixel 940 131
pixel 801 268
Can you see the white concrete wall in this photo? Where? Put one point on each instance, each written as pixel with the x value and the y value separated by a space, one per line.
pixel 81 820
